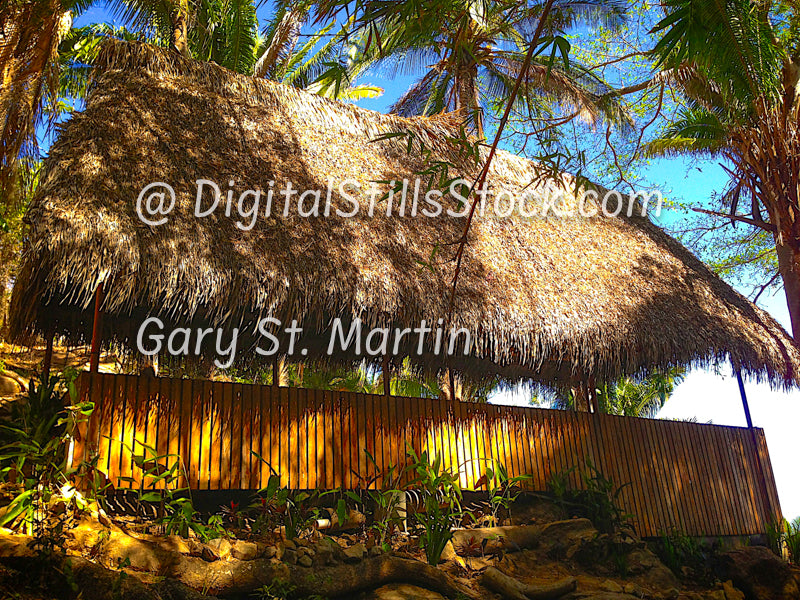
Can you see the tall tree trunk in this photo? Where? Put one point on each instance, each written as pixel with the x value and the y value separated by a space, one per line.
pixel 789 267
pixel 283 41
pixel 180 36
pixel 468 98
pixel 29 36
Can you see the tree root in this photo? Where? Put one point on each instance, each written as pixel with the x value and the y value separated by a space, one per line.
pixel 513 589
pixel 493 540
pixel 342 580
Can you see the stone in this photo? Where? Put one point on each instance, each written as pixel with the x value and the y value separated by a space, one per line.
pixel 208 555
pixel 449 552
pixel 221 547
pixel 305 561
pixel 655 575
pixel 244 550
pixel 632 589
pixel 375 551
pixel 611 586
pixel 289 545
pixel 290 557
pixel 757 572
pixel 354 553
pixel 401 591
pixel 731 593
pixel 269 551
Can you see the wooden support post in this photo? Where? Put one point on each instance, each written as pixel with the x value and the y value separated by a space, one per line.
pixel 48 355
pixel 387 376
pixel 276 372
pixel 97 330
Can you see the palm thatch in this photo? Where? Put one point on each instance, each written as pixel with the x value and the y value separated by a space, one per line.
pixel 551 299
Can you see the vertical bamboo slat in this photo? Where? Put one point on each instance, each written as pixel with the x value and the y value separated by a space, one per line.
pixel 699 479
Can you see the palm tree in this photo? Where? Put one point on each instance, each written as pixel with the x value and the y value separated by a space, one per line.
pixel 30 31
pixel 632 397
pixel 640 396
pixel 470 53
pixel 737 64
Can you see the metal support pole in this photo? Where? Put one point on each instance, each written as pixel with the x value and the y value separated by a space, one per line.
pixel 773 513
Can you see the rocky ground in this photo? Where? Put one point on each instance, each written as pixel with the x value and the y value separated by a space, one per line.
pixel 566 559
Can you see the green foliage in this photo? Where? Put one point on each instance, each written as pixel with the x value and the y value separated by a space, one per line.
pixel 386 507
pixel 158 484
pixel 785 533
pixel 34 456
pixel 793 540
pixel 598 501
pixel 686 556
pixel 503 490
pixel 279 589
pixel 439 498
pixel 274 505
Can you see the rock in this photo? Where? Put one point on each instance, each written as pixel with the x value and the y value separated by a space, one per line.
pixel 305 561
pixel 757 572
pixel 221 547
pixel 269 551
pixel 15 546
pixel 289 545
pixel 290 557
pixel 327 551
pixel 632 589
pixel 354 553
pixel 731 593
pixel 569 531
pixel 9 386
pixel 244 550
pixel 655 574
pixel 449 552
pixel 208 555
pixel 401 591
pixel 377 551
pixel 611 586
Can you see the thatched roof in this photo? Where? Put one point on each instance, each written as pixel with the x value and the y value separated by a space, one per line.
pixel 547 298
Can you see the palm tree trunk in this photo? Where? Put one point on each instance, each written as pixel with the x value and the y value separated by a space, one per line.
pixel 29 36
pixel 789 268
pixel 180 37
pixel 283 41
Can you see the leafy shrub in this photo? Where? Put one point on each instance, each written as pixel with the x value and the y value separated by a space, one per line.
pixel 503 490
pixel 158 484
pixel 34 456
pixel 598 501
pixel 440 499
pixel 686 556
pixel 387 508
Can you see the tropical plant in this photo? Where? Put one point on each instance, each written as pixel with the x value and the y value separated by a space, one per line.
pixel 471 52
pixel 503 489
pixel 158 484
pixel 438 497
pixel 793 540
pixel 737 65
pixel 597 500
pixel 387 500
pixel 642 396
pixel 639 396
pixel 34 457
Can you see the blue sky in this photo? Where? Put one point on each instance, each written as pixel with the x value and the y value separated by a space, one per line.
pixel 704 395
